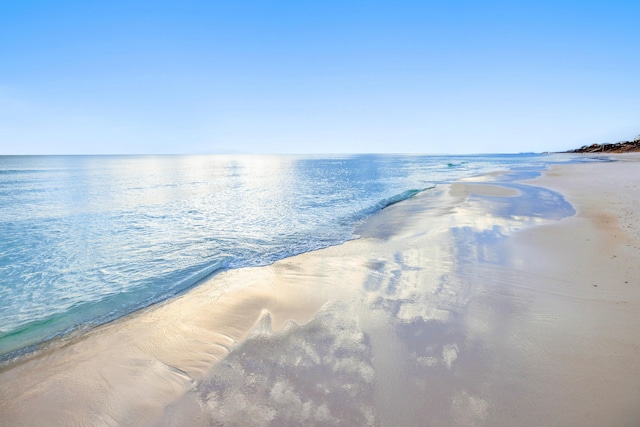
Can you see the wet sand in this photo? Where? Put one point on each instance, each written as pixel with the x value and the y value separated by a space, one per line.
pixel 485 302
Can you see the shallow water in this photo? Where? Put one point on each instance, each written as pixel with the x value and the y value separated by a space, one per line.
pixel 87 239
pixel 406 344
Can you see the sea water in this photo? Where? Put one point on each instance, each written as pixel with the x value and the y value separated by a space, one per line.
pixel 87 239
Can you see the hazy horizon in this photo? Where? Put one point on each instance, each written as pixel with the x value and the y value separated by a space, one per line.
pixel 293 78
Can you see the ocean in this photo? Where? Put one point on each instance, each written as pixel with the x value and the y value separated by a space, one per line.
pixel 87 239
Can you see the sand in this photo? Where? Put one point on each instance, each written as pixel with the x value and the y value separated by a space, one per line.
pixel 485 302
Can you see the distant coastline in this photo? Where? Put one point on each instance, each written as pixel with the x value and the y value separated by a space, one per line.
pixel 618 147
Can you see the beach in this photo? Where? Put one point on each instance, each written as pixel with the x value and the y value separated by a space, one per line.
pixel 476 303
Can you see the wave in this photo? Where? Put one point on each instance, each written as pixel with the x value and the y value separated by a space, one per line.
pixel 389 201
pixel 405 195
pixel 20 171
pixel 29 337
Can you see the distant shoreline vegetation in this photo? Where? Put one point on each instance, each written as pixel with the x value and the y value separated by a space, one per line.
pixel 618 147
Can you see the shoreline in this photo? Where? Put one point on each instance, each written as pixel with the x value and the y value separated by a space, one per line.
pixel 161 365
pixel 61 338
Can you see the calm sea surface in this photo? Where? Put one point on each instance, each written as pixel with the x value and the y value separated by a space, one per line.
pixel 87 239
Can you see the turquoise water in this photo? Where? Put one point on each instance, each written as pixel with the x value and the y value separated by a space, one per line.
pixel 87 239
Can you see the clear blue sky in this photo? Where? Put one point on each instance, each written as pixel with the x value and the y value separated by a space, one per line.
pixel 191 76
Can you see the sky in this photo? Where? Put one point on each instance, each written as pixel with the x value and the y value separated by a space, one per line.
pixel 457 77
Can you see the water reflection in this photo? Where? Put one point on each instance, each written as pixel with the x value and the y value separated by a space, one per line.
pixel 408 345
pixel 324 377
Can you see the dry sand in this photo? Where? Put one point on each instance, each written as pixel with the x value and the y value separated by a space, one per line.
pixel 470 304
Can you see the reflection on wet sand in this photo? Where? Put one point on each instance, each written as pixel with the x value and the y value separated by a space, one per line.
pixel 395 349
